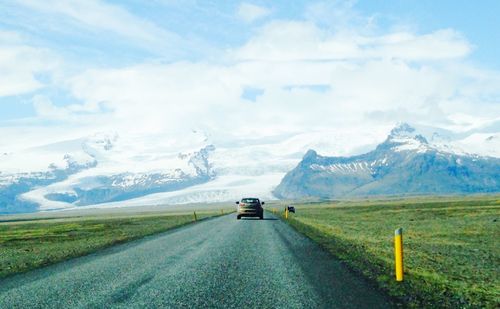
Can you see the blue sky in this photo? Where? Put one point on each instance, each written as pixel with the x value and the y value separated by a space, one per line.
pixel 99 64
pixel 477 20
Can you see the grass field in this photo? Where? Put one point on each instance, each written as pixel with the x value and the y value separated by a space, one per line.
pixel 451 246
pixel 29 244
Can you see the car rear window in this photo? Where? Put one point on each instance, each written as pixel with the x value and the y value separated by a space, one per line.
pixel 250 200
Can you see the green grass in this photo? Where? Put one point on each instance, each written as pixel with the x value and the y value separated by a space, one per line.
pixel 451 247
pixel 30 244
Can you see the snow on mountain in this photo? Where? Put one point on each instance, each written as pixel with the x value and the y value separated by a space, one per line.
pixel 111 170
pixel 487 144
pixel 424 138
pixel 126 170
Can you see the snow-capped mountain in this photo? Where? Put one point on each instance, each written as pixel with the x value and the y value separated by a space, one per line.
pixel 405 163
pixel 193 168
pixel 117 170
pixel 98 169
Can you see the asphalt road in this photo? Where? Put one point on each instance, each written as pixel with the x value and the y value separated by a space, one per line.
pixel 220 263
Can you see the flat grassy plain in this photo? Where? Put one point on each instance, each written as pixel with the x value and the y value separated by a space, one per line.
pixel 32 243
pixel 451 246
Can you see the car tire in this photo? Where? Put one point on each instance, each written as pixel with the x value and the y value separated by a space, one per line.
pixel 238 217
pixel 261 217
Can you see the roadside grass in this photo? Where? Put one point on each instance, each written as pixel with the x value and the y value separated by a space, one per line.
pixel 30 244
pixel 451 247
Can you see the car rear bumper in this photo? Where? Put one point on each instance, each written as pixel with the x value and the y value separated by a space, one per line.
pixel 249 213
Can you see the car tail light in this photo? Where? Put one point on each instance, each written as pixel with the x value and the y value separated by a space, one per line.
pixel 242 204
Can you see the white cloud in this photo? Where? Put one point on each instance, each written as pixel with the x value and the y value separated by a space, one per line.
pixel 336 14
pixel 92 114
pixel 251 12
pixel 46 109
pixel 438 45
pixel 99 16
pixel 396 75
pixel 367 78
pixel 21 63
pixel 293 41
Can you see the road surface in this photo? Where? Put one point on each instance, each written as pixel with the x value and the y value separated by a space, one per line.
pixel 220 262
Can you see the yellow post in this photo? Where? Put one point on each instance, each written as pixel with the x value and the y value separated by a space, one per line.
pixel 195 219
pixel 398 253
pixel 286 213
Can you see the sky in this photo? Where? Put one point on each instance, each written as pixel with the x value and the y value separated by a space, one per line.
pixel 244 70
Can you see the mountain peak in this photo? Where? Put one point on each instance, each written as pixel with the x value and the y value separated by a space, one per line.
pixel 406 137
pixel 310 154
pixel 402 129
